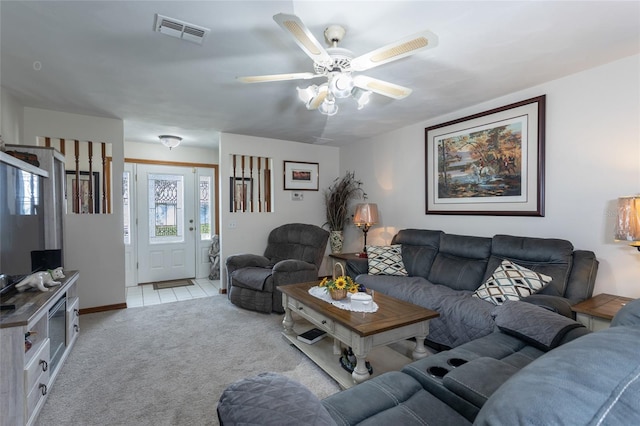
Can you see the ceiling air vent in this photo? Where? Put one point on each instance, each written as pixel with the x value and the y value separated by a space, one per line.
pixel 180 29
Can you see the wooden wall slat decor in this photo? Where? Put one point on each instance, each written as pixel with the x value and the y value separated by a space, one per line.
pixel 98 196
pixel 250 184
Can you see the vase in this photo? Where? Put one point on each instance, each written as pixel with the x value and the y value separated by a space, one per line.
pixel 336 239
pixel 338 294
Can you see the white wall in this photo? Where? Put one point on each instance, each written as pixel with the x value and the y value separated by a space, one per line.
pixel 159 152
pixel 11 117
pixel 93 243
pixel 592 157
pixel 252 229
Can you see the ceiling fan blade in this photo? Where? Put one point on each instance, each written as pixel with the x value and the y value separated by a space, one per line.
pixel 391 52
pixel 278 77
pixel 304 38
pixel 381 87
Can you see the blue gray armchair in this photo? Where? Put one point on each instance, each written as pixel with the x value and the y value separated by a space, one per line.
pixel 293 255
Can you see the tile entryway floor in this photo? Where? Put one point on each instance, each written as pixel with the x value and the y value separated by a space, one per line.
pixel 145 295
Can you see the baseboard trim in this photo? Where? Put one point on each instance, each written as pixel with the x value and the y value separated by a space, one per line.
pixel 103 308
pixel 223 291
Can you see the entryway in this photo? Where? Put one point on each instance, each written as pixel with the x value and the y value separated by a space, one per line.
pixel 170 216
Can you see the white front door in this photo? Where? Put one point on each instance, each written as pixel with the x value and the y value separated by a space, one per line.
pixel 166 223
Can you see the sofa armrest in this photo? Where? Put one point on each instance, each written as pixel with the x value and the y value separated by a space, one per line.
pixel 556 304
pixel 238 261
pixel 476 380
pixel 293 272
pixel 271 399
pixel 357 267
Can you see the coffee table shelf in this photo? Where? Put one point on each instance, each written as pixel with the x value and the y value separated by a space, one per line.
pixel 368 334
pixel 382 358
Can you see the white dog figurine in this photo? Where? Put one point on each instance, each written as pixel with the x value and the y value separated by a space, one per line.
pixel 41 280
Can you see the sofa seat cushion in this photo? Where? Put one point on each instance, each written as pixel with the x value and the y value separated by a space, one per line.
pixel 511 281
pixel 594 379
pixel 271 399
pixel 251 278
pixel 392 398
pixel 462 317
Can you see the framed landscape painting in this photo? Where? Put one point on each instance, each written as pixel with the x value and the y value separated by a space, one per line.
pixel 491 163
pixel 300 176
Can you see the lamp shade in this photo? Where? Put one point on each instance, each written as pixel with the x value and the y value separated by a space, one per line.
pixel 628 222
pixel 366 214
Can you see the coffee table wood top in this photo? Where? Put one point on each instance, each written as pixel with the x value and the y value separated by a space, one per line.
pixel 392 313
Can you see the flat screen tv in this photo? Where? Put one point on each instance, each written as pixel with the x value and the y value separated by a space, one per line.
pixel 22 217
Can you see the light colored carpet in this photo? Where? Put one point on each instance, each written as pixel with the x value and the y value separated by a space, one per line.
pixel 168 364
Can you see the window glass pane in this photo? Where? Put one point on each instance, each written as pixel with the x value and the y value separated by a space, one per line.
pixel 126 207
pixel 205 208
pixel 166 208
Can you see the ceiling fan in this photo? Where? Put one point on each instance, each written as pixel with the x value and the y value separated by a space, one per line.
pixel 337 65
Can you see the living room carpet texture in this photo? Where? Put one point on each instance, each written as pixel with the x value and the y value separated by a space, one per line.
pixel 168 364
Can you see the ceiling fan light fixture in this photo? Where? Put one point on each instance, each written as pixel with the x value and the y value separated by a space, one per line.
pixel 307 95
pixel 341 85
pixel 361 96
pixel 328 107
pixel 170 141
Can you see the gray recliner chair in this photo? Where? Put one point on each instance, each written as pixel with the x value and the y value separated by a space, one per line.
pixel 293 255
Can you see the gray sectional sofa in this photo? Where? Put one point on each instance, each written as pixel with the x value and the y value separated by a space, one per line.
pixel 538 368
pixel 444 270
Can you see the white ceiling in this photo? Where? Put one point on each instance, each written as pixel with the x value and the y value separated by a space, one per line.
pixel 103 58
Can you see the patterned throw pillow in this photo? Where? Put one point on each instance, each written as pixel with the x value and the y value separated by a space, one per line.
pixel 385 260
pixel 511 282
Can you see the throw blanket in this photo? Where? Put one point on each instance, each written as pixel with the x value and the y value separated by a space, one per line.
pixel 462 318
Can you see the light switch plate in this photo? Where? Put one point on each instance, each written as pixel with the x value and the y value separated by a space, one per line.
pixel 297 196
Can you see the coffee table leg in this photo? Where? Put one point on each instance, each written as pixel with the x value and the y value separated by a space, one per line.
pixel 360 373
pixel 420 350
pixel 287 322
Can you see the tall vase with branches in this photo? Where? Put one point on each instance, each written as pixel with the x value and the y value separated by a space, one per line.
pixel 337 197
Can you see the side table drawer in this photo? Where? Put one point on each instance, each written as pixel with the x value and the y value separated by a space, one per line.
pixel 318 319
pixel 37 393
pixel 39 364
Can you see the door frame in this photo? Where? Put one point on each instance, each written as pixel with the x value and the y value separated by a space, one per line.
pixel 134 225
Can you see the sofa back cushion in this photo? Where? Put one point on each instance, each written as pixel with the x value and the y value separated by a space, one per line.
pixel 461 262
pixel 419 248
pixel 299 241
pixel 548 256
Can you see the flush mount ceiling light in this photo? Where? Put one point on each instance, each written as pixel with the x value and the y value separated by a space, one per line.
pixel 170 141
pixel 337 65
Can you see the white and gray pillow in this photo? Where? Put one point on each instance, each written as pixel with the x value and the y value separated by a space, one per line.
pixel 510 281
pixel 385 260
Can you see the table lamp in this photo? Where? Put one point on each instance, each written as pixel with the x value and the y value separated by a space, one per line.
pixel 365 216
pixel 628 223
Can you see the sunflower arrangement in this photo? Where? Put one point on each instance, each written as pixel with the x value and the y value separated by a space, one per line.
pixel 338 284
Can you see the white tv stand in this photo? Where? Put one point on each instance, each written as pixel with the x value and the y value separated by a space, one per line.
pixel 26 376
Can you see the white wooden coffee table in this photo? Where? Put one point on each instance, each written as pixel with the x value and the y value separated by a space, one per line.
pixel 365 333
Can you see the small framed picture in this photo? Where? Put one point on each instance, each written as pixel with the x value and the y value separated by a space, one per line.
pixel 300 176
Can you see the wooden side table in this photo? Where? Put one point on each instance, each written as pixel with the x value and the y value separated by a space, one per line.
pixel 596 313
